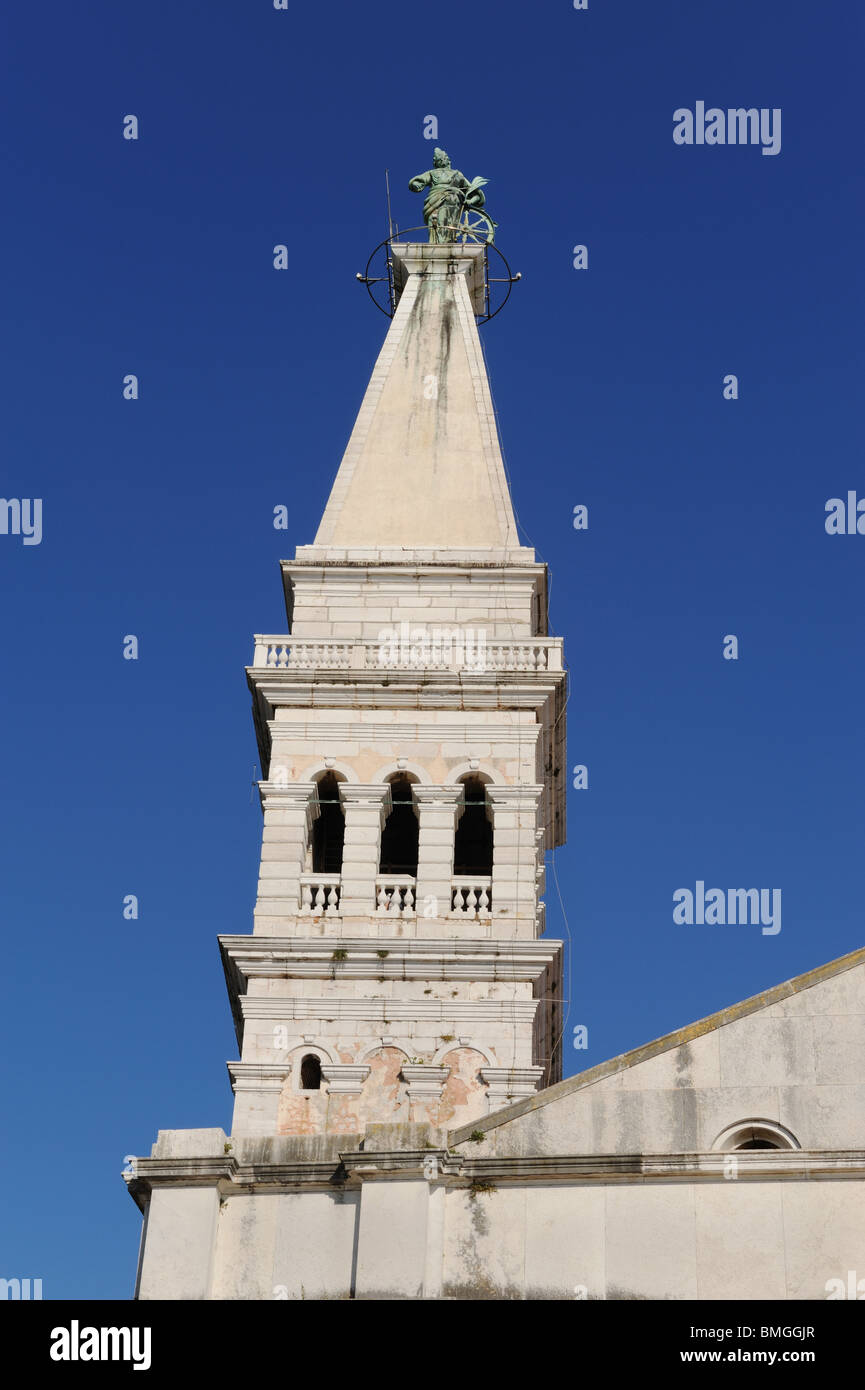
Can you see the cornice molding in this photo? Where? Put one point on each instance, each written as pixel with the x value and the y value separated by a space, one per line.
pixel 258 1076
pixel 480 1011
pixel 458 1170
pixel 345 1078
pixel 432 690
pixel 407 959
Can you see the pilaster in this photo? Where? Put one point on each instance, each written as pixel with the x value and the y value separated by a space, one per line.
pixel 366 810
pixel 437 816
pixel 515 851
pixel 289 812
pixel 257 1087
pixel 510 1084
pixel 425 1085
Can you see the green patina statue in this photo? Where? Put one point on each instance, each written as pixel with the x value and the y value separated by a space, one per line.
pixel 453 208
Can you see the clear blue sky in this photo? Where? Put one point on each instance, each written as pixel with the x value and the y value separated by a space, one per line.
pixel 706 515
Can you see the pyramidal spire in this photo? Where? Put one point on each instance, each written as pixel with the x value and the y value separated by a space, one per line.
pixel 423 468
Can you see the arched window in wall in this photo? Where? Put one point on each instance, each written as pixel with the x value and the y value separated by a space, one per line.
pixel 756 1134
pixel 328 829
pixel 310 1073
pixel 473 843
pixel 399 838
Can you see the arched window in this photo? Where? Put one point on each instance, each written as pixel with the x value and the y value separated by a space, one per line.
pixel 328 830
pixel 399 838
pixel 310 1073
pixel 755 1134
pixel 473 843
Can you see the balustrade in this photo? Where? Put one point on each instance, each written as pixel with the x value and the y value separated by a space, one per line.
pixel 472 897
pixel 319 893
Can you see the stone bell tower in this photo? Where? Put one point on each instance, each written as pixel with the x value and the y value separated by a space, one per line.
pixel 410 724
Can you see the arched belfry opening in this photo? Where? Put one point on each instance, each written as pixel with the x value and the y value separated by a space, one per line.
pixel 310 1073
pixel 473 842
pixel 399 838
pixel 328 830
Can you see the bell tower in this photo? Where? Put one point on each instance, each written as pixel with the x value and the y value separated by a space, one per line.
pixel 410 725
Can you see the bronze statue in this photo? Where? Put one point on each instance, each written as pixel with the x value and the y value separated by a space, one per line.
pixel 450 197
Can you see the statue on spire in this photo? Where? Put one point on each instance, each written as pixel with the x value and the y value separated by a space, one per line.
pixel 450 197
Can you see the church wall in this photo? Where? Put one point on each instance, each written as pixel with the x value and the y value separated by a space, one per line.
pixel 286 1245
pixel 798 1062
pixel 178 1254
pixel 668 1240
pixel 399 1237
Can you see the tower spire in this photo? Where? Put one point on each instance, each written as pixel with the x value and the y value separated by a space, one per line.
pixel 423 468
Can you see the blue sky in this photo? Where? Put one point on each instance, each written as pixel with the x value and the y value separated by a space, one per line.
pixel 706 516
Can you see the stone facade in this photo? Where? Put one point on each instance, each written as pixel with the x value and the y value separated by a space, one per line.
pixel 625 1182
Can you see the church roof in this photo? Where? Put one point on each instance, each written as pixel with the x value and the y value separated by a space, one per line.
pixel 627 1060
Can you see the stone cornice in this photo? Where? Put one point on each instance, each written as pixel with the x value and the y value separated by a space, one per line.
pixel 371 793
pixel 506 959
pixel 450 958
pixel 512 1076
pixel 345 1078
pixel 480 1011
pixel 520 797
pixel 293 793
pixel 278 795
pixel 454 1169
pixel 425 1080
pixel 441 795
pixel 757 1163
pixel 258 1076
pixel 432 690
pixel 325 562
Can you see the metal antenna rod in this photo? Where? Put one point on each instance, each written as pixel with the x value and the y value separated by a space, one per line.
pixel 387 187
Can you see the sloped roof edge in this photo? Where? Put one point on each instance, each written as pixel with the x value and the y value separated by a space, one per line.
pixel 653 1049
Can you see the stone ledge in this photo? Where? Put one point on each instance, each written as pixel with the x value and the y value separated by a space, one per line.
pixel 350 1167
pixel 327 557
